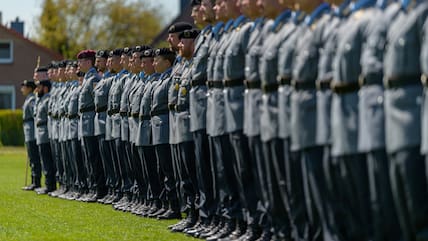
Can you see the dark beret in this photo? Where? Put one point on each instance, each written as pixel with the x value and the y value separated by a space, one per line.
pixel 102 54
pixel 86 54
pixel 195 3
pixel 62 64
pixel 127 51
pixel 28 83
pixel 42 69
pixel 179 27
pixel 141 48
pixel 46 83
pixel 74 64
pixel 164 52
pixel 189 34
pixel 147 54
pixel 115 52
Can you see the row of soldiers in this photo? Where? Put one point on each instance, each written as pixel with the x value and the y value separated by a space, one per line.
pixel 279 120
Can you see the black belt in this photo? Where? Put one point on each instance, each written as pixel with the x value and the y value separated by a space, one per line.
pixel 345 87
pixel 324 84
pixel 87 109
pixel 28 119
pixel 100 109
pixel 233 82
pixel 171 107
pixel 371 79
pixel 253 84
pixel 41 123
pixel 215 84
pixel 144 117
pixel 181 108
pixel 284 80
pixel 73 116
pixel 54 116
pixel 135 114
pixel 401 81
pixel 123 113
pixel 159 112
pixel 268 88
pixel 198 82
pixel 113 111
pixel 303 85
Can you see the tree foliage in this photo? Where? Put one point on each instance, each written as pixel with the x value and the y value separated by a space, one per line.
pixel 68 26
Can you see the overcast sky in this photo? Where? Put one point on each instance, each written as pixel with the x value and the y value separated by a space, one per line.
pixel 27 10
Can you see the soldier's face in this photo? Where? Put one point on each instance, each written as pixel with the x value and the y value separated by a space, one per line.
pixel 220 10
pixel 136 62
pixel 173 41
pixel 207 12
pixel 147 65
pixel 249 8
pixel 197 15
pixel 116 63
pixel 25 90
pixel 124 61
pixel 231 6
pixel 84 65
pixel 186 47
pixel 61 73
pixel 161 64
pixel 100 64
pixel 270 7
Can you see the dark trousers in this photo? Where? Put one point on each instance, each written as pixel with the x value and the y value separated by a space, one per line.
pixel 48 165
pixel 72 165
pixel 128 163
pixel 409 190
pixel 244 166
pixel 384 216
pixel 176 167
pixel 123 165
pixel 151 169
pixel 81 175
pixel 204 174
pixel 314 191
pixel 35 164
pixel 163 155
pixel 274 151
pixel 107 161
pixel 353 191
pixel 56 157
pixel 260 187
pixel 94 165
pixel 225 180
pixel 188 174
pixel 117 178
pixel 67 172
pixel 139 173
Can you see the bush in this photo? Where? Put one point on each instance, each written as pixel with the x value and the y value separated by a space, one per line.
pixel 11 132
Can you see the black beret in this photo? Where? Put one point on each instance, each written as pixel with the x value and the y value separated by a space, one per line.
pixel 46 83
pixel 179 27
pixel 147 53
pixel 102 54
pixel 195 3
pixel 74 64
pixel 127 51
pixel 115 52
pixel 53 65
pixel 189 34
pixel 62 64
pixel 28 83
pixel 86 54
pixel 42 69
pixel 164 52
pixel 141 48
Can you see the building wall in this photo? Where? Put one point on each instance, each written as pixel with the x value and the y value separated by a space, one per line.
pixel 24 61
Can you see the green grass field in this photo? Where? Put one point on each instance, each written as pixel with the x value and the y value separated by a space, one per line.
pixel 27 216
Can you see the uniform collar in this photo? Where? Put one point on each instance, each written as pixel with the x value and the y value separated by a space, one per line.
pixel 317 13
pixel 238 21
pixel 343 9
pixel 298 17
pixel 216 30
pixel 281 19
pixel 362 4
pixel 166 73
pixel 92 71
pixel 257 22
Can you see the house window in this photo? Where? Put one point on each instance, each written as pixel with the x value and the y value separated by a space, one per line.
pixel 6 51
pixel 7 97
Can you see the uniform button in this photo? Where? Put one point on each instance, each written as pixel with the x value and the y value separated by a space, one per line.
pixel 401 41
pixel 347 46
pixel 380 99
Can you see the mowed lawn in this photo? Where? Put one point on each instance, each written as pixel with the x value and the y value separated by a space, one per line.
pixel 27 216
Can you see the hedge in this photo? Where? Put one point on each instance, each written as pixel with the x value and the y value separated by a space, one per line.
pixel 11 132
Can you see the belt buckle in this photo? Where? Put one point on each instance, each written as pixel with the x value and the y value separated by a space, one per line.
pixel 424 79
pixel 361 80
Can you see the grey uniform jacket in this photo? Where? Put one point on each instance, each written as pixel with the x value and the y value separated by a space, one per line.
pixel 124 106
pixel 177 71
pixel 305 71
pixel 144 129
pixel 28 117
pixel 86 103
pixel 371 135
pixel 234 71
pixel 73 113
pixel 183 133
pixel 101 100
pixel 280 34
pixel 159 110
pixel 41 119
pixel 135 96
pixel 403 104
pixel 115 95
pixel 253 92
pixel 198 93
pixel 65 124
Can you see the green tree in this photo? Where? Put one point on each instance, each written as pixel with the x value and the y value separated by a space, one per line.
pixel 68 26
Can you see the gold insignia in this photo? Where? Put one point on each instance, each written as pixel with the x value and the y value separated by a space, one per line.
pixel 358 14
pixel 237 29
pixel 183 91
pixel 177 86
pixel 313 26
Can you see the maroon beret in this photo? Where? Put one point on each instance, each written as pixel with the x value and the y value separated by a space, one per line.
pixel 86 54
